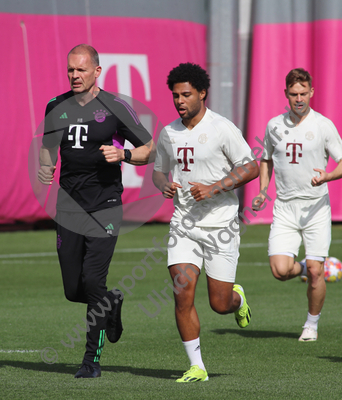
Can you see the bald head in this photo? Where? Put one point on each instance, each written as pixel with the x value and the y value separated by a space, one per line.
pixel 86 49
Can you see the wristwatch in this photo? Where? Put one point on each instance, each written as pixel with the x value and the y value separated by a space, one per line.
pixel 128 155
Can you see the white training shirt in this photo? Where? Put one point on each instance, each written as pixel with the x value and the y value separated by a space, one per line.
pixel 297 150
pixel 205 154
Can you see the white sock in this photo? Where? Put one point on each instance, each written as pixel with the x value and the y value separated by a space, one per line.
pixel 312 321
pixel 304 269
pixel 193 350
pixel 242 301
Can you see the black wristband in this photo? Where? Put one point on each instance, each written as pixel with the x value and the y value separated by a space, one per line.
pixel 128 155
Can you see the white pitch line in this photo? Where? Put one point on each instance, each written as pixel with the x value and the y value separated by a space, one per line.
pixel 265 244
pixel 253 264
pixel 133 250
pixel 247 245
pixel 24 255
pixel 21 261
pixel 54 254
pixel 20 351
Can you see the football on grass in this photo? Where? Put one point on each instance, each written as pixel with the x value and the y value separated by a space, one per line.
pixel 332 270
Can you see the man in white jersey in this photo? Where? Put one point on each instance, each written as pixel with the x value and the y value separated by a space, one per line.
pixel 207 157
pixel 297 146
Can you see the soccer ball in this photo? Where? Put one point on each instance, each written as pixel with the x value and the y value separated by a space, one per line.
pixel 332 270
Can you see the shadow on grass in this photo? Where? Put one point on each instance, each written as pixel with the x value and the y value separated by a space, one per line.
pixel 256 334
pixel 332 359
pixel 71 369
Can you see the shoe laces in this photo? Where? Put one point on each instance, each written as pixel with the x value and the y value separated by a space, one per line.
pixel 310 328
pixel 89 368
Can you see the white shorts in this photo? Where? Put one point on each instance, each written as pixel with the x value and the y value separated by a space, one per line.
pixel 295 220
pixel 217 247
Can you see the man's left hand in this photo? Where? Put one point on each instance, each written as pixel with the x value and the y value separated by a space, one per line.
pixel 200 192
pixel 112 154
pixel 319 180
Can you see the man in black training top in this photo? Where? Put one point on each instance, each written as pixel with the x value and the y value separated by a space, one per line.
pixel 90 126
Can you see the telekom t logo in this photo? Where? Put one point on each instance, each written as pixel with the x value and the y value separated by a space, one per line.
pixel 78 137
pixel 293 152
pixel 186 157
pixel 123 64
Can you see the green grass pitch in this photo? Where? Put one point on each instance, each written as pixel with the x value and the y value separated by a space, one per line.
pixel 263 361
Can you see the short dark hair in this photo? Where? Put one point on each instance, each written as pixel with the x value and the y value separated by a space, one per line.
pixel 192 73
pixel 298 75
pixel 86 48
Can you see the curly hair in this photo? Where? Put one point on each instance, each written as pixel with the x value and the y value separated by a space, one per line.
pixel 298 75
pixel 192 73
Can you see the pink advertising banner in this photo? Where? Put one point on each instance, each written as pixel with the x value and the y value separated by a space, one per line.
pixel 136 55
pixel 278 48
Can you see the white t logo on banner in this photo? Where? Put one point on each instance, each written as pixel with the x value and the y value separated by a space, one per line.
pixel 123 62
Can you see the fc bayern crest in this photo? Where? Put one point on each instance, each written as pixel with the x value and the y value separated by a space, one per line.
pixel 203 138
pixel 309 135
pixel 100 115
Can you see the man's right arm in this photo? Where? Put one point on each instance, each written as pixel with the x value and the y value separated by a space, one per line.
pixel 266 169
pixel 47 161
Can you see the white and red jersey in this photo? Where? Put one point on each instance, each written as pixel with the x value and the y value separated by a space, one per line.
pixel 297 150
pixel 205 154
